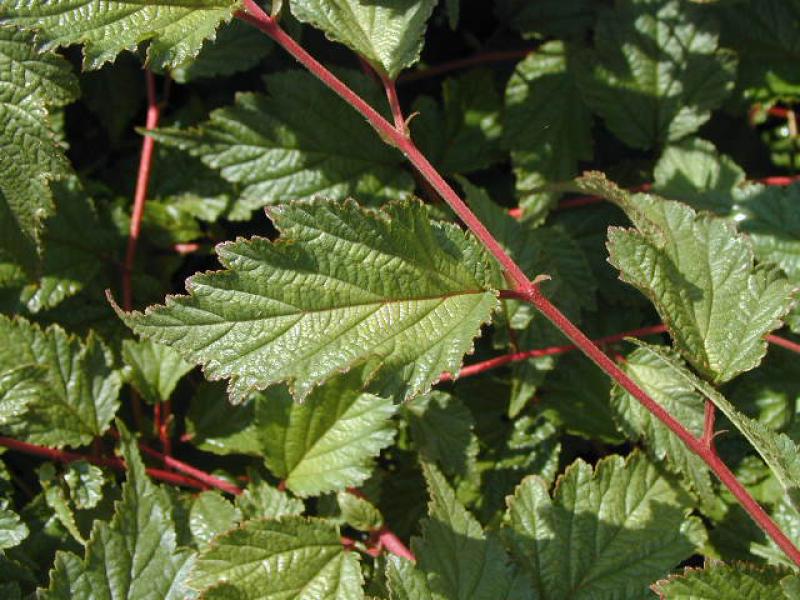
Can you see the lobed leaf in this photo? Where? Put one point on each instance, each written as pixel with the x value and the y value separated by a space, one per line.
pixel 176 31
pixel 700 274
pixel 605 533
pixel 154 369
pixel 299 142
pixel 657 71
pixel 394 292
pixel 388 35
pixel 327 443
pixel 719 581
pixel 134 555
pixel 31 81
pixel 290 557
pixel 79 395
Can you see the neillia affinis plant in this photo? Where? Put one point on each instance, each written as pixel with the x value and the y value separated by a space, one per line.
pixel 399 299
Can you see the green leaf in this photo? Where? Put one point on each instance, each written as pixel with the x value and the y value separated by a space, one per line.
pixel 681 401
pixel 544 18
pixel 388 36
pixel 718 581
pixel 85 483
pixel 657 73
pixel 327 443
pixel 547 138
pixel 460 560
pixel 442 429
pixel 693 172
pixel 606 533
pixel 299 142
pixel 769 215
pixel 358 512
pixel 211 514
pixel 290 557
pixel 30 153
pixel 765 35
pixel 79 395
pixel 12 530
pixel 19 387
pixel 406 582
pixel 216 426
pixel 778 450
pixel 462 135
pixel 575 396
pixel 699 273
pixel 404 295
pixel 154 369
pixel 261 500
pixel 175 31
pixel 132 556
pixel 236 47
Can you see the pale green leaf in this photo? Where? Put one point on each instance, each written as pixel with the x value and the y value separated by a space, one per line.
pixel 359 512
pixel 461 561
pixel 394 290
pixel 657 72
pixel 327 443
pixel 442 430
pixel 299 142
pixel 547 138
pixel 606 533
pixel 219 427
pixel 463 134
pixel 692 171
pixel 290 557
pixel 406 582
pixel 261 500
pixel 176 31
pixel 80 390
pixel 718 581
pixel 30 153
pixel 699 272
pixel 18 387
pixel 779 452
pixel 57 501
pixel 85 483
pixel 211 514
pixel 681 401
pixel 12 530
pixel 154 369
pixel 134 556
pixel 388 35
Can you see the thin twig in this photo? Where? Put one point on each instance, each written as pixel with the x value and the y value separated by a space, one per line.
pixel 463 63
pixel 206 479
pixel 499 361
pixel 525 289
pixel 708 425
pixel 784 343
pixel 64 456
pixel 394 104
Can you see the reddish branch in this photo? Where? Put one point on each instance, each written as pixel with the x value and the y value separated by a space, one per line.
pixel 206 479
pixel 523 288
pixel 64 456
pixel 463 63
pixel 784 343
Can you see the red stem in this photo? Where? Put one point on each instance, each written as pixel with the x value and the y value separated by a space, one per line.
pixel 499 361
pixel 784 343
pixel 394 104
pixel 194 472
pixel 64 456
pixel 393 544
pixel 708 425
pixel 463 63
pixel 525 289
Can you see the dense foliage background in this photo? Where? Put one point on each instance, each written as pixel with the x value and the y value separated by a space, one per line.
pixel 533 478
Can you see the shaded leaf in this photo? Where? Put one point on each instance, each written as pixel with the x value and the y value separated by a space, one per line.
pixel 718 581
pixel 154 369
